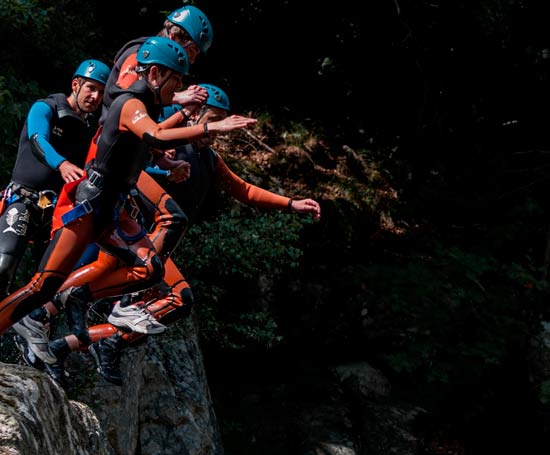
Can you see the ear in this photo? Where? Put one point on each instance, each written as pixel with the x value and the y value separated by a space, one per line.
pixel 154 74
pixel 75 85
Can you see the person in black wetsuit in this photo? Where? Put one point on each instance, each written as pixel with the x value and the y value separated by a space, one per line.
pixel 52 148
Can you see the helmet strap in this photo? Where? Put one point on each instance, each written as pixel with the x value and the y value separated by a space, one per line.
pixel 158 88
pixel 75 97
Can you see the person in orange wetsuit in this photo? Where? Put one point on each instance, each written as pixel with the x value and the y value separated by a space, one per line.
pixel 173 299
pixel 100 206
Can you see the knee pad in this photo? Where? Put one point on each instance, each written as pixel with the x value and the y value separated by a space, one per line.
pixel 179 218
pixel 157 269
pixel 180 311
pixel 187 298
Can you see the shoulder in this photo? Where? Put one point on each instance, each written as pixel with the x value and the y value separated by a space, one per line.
pixel 55 99
pixel 44 106
pixel 131 47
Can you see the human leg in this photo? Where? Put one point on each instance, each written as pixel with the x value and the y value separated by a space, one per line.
pixel 64 250
pixel 16 228
pixel 136 266
pixel 169 222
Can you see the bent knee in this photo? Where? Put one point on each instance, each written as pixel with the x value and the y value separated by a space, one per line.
pixel 177 216
pixel 155 270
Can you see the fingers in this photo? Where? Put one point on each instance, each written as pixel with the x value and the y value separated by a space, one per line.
pixel 192 95
pixel 308 206
pixel 237 121
pixel 180 173
pixel 69 172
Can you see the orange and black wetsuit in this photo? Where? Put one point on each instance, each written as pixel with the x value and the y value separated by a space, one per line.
pixel 122 74
pixel 209 173
pixel 101 196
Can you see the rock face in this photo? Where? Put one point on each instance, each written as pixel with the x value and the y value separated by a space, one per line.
pixel 164 406
pixel 36 417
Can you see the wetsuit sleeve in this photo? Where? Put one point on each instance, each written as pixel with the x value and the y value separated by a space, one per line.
pixel 39 125
pixel 245 192
pixel 155 170
pixel 134 118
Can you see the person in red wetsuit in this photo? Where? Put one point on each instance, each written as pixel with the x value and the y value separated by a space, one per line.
pixel 173 299
pixel 100 207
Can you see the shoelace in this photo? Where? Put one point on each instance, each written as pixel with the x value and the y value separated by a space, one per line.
pixel 145 315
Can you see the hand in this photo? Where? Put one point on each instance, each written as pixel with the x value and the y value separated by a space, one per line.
pixel 69 172
pixel 170 154
pixel 180 172
pixel 230 123
pixel 307 206
pixel 193 97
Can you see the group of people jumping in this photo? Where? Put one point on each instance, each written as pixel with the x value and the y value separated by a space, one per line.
pixel 105 203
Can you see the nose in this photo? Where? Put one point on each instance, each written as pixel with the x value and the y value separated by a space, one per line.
pixel 192 53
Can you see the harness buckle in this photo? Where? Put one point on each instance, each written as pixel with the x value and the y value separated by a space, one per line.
pixel 95 178
pixel 87 206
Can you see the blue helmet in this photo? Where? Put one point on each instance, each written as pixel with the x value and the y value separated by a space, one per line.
pixel 168 111
pixel 159 50
pixel 194 22
pixel 94 70
pixel 216 97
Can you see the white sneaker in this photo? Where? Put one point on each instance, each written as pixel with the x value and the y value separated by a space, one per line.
pixel 136 319
pixel 37 335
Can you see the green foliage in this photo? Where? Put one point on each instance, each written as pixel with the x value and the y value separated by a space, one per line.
pixel 43 37
pixel 240 247
pixel 15 100
pixel 18 15
pixel 224 260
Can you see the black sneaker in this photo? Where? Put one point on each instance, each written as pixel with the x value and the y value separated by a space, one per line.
pixel 57 372
pixel 60 349
pixel 107 359
pixel 26 354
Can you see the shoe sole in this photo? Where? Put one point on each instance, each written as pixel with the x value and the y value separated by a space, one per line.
pixel 122 323
pixel 26 334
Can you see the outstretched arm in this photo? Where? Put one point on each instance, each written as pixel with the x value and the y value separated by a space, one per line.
pixel 250 194
pixel 134 118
